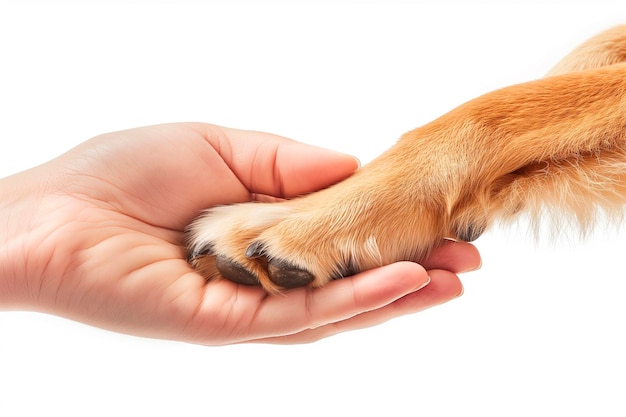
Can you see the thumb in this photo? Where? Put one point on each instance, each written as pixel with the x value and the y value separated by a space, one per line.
pixel 280 167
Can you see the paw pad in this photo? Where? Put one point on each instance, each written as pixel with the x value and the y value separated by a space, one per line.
pixel 234 272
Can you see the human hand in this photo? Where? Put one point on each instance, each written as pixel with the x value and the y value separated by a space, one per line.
pixel 96 235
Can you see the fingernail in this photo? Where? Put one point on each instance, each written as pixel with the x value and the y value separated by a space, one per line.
pixel 461 293
pixel 473 268
pixel 424 284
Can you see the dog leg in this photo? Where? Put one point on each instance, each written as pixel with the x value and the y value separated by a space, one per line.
pixel 605 49
pixel 558 142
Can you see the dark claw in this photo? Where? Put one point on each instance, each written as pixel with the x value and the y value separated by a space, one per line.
pixel 470 232
pixel 346 271
pixel 234 272
pixel 200 251
pixel 255 250
pixel 288 276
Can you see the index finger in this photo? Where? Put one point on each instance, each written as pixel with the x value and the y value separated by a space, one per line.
pixel 444 286
pixel 338 301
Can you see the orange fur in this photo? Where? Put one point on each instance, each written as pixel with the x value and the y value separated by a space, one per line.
pixel 555 145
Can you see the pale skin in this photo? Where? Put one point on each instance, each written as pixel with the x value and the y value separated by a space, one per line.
pixel 96 235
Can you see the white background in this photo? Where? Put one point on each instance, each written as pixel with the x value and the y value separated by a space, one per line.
pixel 540 328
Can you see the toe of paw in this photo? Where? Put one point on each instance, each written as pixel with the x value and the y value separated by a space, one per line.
pixel 235 272
pixel 198 251
pixel 288 276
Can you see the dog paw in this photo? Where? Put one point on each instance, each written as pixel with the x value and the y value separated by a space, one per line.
pixel 311 240
pixel 275 245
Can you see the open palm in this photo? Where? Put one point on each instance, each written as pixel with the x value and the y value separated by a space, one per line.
pixel 106 246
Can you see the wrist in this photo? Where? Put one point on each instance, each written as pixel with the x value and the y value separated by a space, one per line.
pixel 15 212
pixel 10 238
pixel 26 239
